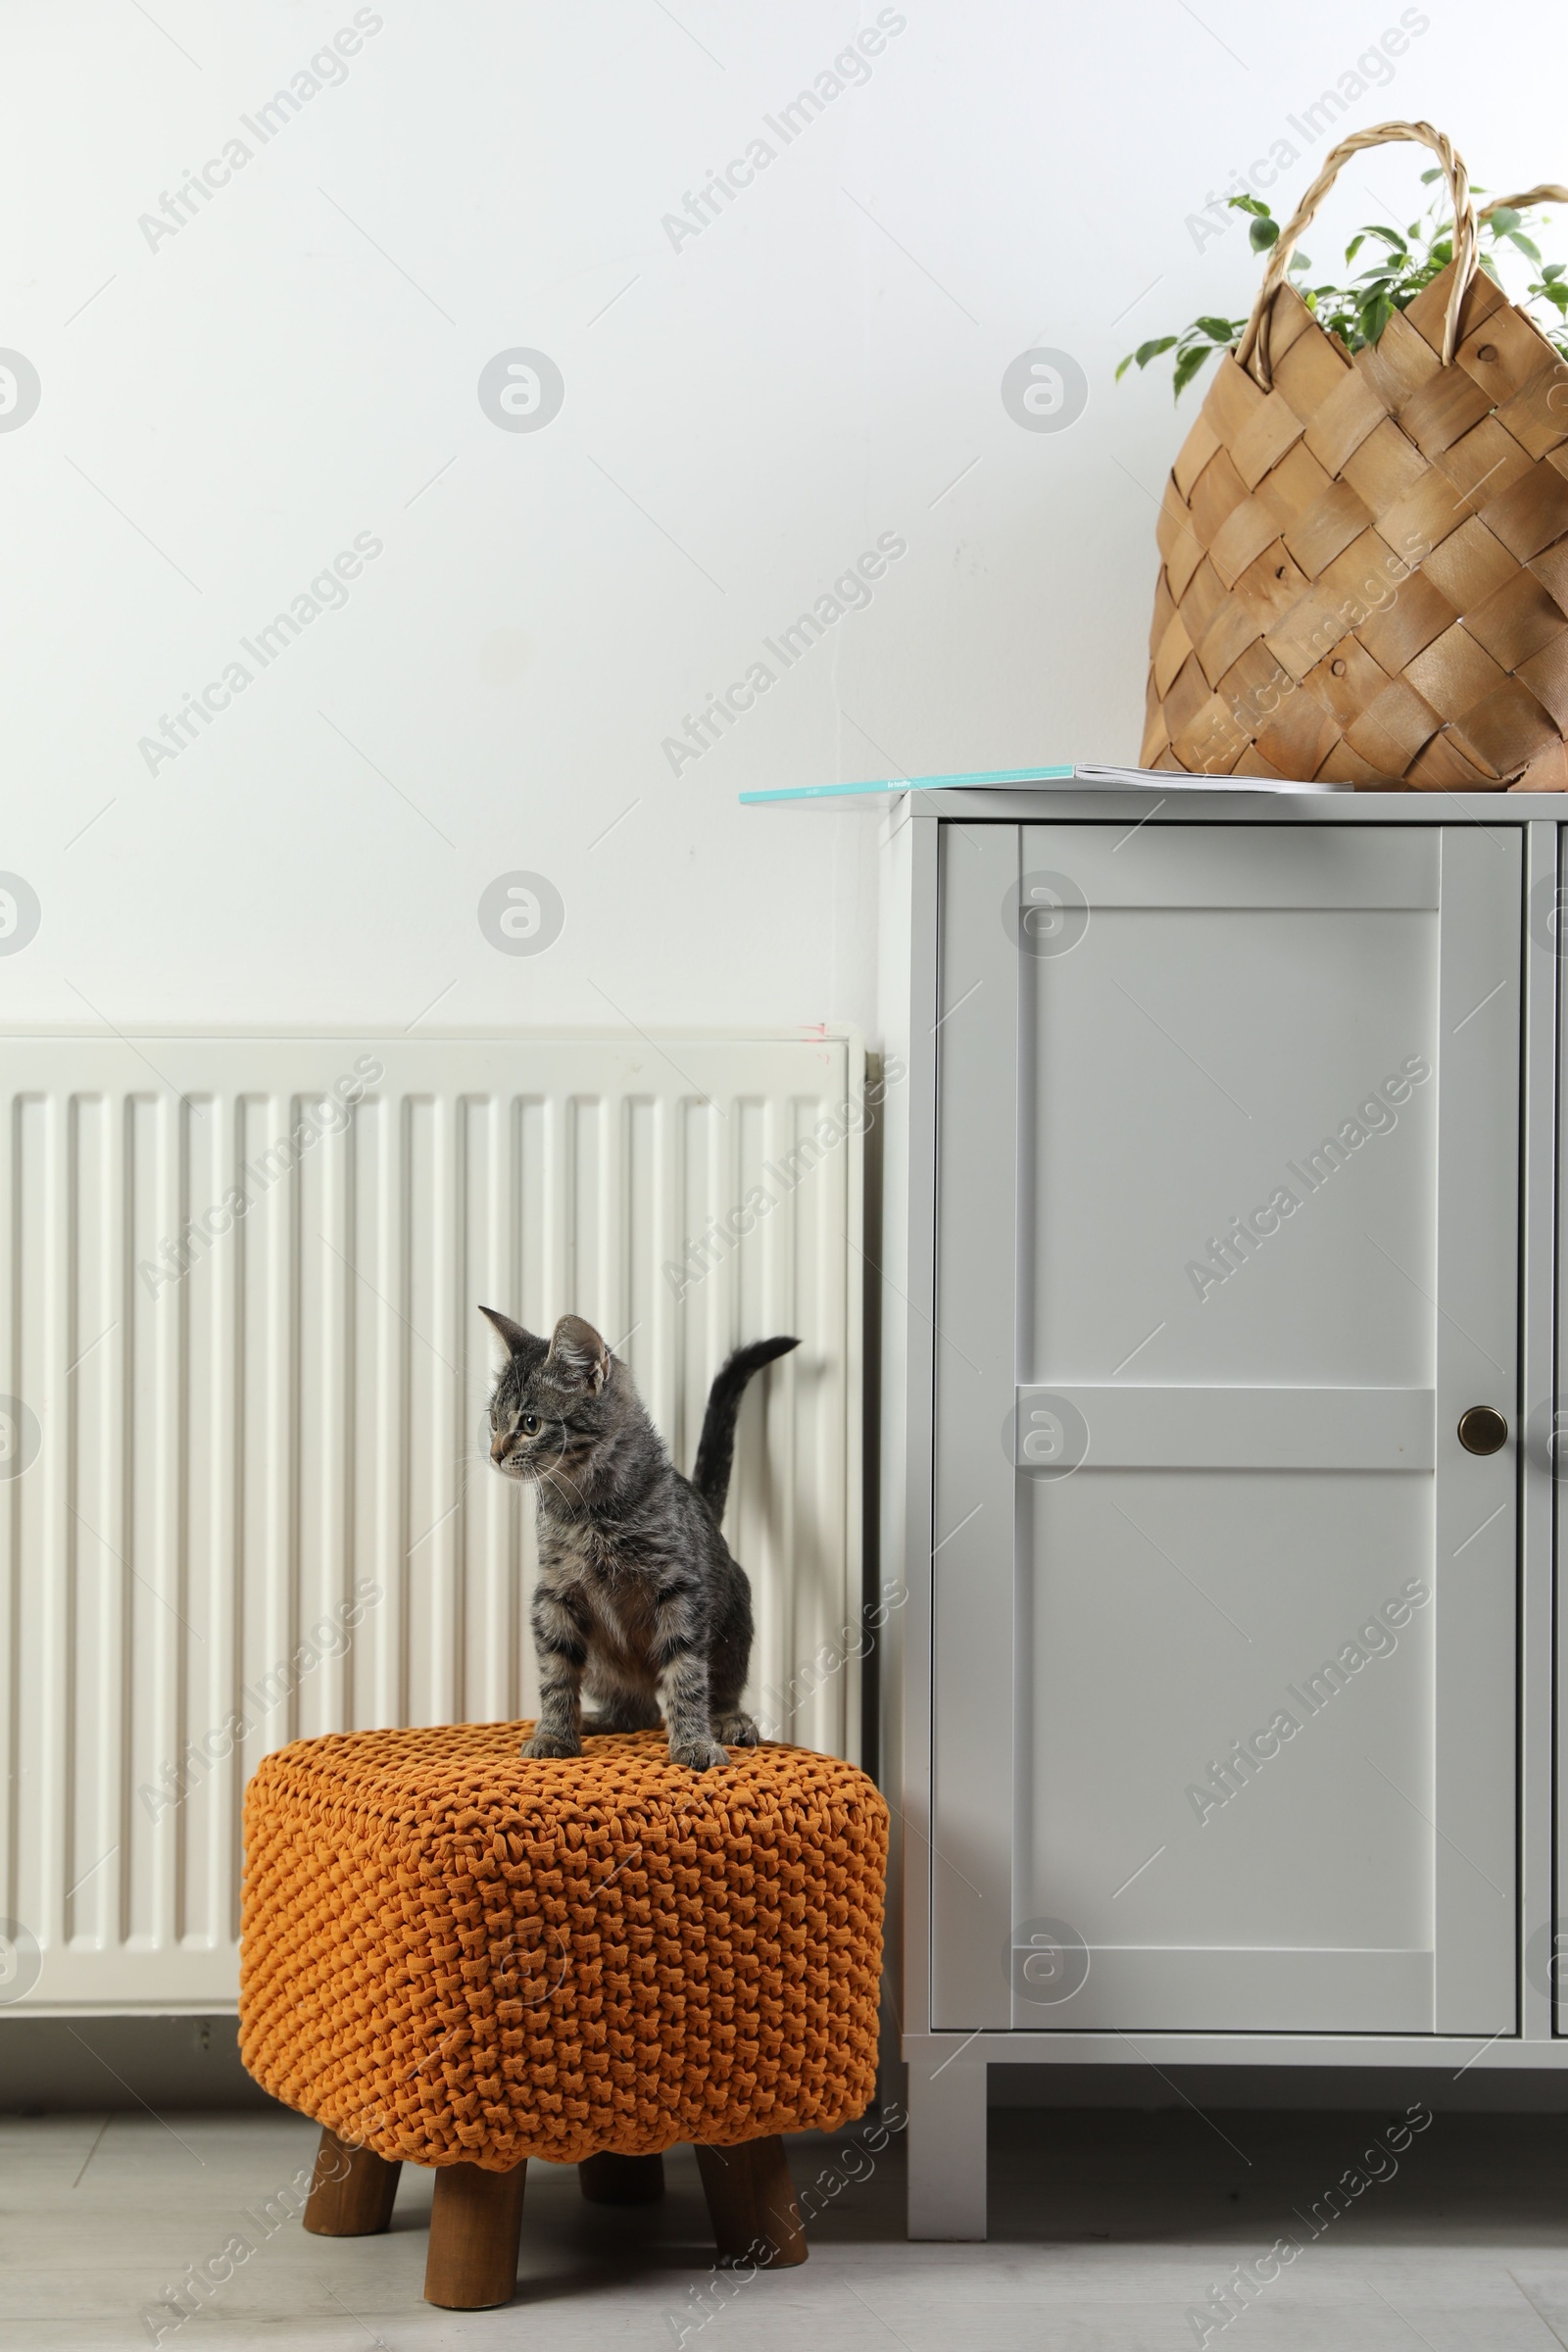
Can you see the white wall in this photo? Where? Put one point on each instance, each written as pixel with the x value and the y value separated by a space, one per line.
pixel 743 418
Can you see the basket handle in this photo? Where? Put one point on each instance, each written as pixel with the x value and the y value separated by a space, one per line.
pixel 1253 349
pixel 1550 191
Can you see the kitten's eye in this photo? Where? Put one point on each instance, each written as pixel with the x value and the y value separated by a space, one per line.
pixel 529 1425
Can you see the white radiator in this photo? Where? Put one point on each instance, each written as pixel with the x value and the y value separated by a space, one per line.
pixel 250 1501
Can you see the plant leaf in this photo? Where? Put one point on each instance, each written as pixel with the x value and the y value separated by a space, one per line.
pixel 1375 316
pixel 1435 173
pixel 1152 350
pixel 1218 330
pixel 1299 260
pixel 1263 234
pixel 1188 365
pixel 1524 245
pixel 1251 203
pixel 1503 220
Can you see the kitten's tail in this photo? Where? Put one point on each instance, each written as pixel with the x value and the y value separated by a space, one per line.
pixel 716 1449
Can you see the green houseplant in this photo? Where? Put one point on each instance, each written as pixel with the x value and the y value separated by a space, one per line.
pixel 1358 310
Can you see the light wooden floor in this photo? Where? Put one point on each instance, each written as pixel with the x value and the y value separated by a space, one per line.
pixel 1106 2230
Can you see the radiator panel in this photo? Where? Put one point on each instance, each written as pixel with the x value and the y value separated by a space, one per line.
pixel 230 1458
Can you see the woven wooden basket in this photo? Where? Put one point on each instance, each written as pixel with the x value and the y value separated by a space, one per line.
pixel 1365 559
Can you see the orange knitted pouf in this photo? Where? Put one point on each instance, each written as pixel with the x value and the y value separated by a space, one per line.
pixel 453 1953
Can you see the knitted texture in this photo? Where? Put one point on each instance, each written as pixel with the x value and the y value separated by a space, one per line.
pixel 454 1953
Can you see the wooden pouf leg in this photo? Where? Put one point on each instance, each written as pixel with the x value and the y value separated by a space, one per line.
pixel 607 2179
pixel 352 2191
pixel 751 2202
pixel 475 2225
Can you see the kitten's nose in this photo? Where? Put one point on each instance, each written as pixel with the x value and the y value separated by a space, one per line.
pixel 499 1448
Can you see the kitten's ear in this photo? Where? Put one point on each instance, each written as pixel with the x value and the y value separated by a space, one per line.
pixel 577 1351
pixel 516 1340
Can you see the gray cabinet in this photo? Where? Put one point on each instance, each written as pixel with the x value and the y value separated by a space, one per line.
pixel 1222 1193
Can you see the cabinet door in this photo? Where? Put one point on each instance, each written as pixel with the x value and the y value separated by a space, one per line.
pixel 1227 1246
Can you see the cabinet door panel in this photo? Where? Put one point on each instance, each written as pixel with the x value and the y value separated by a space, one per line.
pixel 1256 1209
pixel 1200 1729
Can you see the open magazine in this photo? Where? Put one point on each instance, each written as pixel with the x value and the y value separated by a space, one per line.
pixel 1164 779
pixel 1059 779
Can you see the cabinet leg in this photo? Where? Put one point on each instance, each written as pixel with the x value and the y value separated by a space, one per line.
pixel 475 2225
pixel 751 2202
pixel 352 2191
pixel 947 2148
pixel 607 2180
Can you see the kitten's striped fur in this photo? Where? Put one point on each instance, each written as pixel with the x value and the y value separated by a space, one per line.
pixel 639 1604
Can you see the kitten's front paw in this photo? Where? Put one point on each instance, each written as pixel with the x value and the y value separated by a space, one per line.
pixel 736 1730
pixel 699 1755
pixel 552 1743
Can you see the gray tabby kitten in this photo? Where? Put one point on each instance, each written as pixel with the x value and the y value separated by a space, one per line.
pixel 638 1599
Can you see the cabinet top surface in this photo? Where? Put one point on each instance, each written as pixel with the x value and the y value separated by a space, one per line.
pixel 1185 806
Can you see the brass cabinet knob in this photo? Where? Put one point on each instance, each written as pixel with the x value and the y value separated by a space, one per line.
pixel 1482 1430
